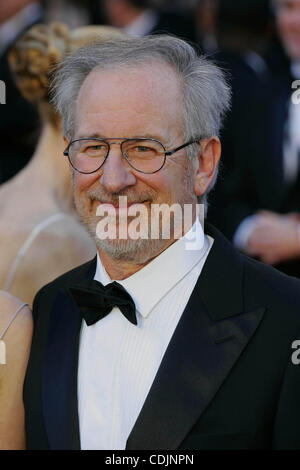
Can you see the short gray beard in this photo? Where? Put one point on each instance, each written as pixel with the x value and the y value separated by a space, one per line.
pixel 137 251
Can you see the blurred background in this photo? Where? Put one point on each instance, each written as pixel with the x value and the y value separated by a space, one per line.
pixel 257 43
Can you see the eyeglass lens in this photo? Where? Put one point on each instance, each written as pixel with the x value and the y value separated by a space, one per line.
pixel 88 156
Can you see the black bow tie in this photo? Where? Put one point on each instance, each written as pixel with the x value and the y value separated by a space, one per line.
pixel 96 301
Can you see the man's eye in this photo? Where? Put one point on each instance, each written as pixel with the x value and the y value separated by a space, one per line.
pixel 95 148
pixel 142 148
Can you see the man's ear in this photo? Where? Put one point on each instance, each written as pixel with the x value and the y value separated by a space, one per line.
pixel 207 163
pixel 66 141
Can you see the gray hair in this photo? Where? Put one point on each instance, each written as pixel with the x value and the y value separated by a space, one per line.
pixel 206 95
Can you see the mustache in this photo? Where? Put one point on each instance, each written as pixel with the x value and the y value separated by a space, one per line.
pixel 132 197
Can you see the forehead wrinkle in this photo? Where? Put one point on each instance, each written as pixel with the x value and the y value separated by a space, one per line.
pixel 161 81
pixel 138 100
pixel 96 124
pixel 161 134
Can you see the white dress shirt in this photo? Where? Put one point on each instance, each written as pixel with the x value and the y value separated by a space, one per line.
pixel 118 361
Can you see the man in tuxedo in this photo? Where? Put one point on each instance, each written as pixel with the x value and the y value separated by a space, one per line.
pixel 160 342
pixel 257 204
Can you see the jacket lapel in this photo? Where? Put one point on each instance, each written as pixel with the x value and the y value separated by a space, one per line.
pixel 60 370
pixel 209 338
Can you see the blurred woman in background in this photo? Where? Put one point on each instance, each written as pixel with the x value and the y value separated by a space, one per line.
pixel 40 236
pixel 15 340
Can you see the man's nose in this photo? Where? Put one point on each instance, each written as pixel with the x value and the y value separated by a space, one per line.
pixel 116 172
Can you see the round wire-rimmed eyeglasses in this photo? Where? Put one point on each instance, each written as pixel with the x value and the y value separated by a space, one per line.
pixel 144 154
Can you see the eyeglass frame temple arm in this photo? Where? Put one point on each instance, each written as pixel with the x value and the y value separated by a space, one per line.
pixel 182 146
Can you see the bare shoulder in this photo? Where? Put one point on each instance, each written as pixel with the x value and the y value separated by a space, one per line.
pixel 77 235
pixel 66 239
pixel 60 247
pixel 18 336
pixel 17 339
pixel 63 246
pixel 8 306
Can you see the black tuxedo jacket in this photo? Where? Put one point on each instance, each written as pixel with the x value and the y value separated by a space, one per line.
pixel 226 381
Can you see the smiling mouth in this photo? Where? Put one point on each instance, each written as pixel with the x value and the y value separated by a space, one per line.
pixel 116 205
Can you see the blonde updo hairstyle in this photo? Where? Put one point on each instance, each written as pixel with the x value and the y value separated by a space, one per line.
pixel 35 57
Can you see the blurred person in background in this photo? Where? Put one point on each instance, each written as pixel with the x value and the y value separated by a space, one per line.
pixel 287 14
pixel 141 17
pixel 261 197
pixel 15 17
pixel 40 236
pixel 241 31
pixel 74 13
pixel 15 338
pixel 18 117
pixel 205 14
pixel 241 34
pixel 41 189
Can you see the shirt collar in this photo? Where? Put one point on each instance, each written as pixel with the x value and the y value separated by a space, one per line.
pixel 151 283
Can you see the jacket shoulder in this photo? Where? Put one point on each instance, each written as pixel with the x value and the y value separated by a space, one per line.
pixel 50 290
pixel 267 286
